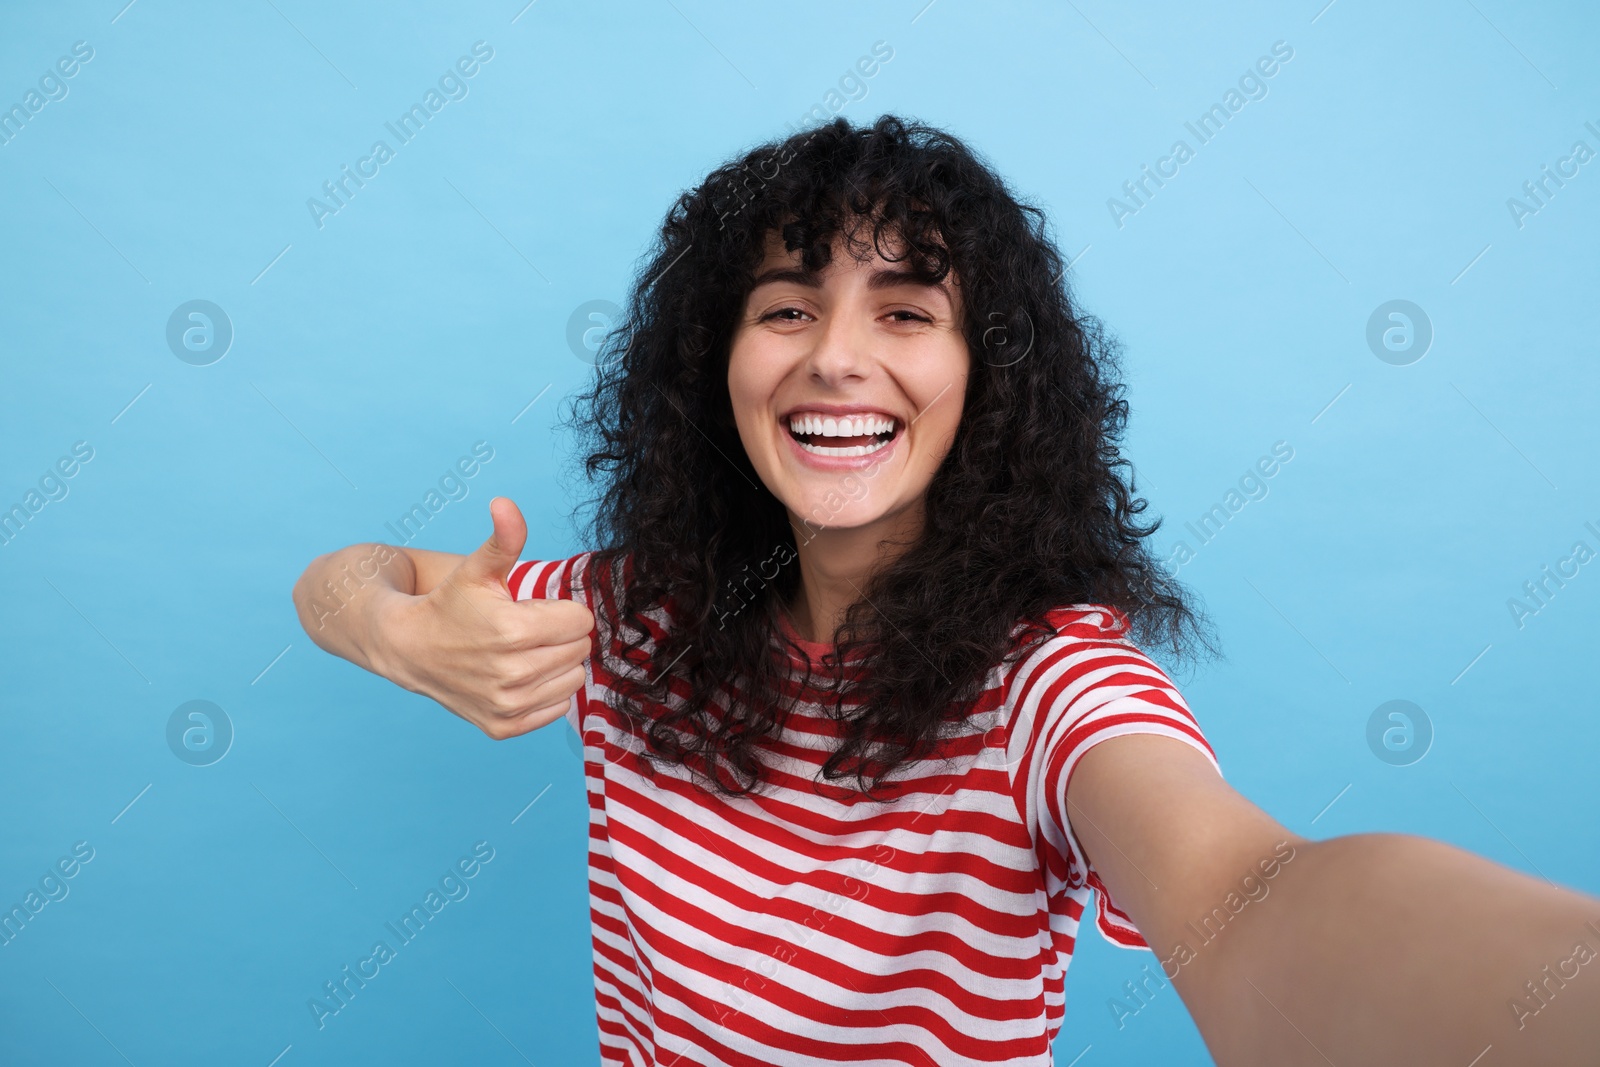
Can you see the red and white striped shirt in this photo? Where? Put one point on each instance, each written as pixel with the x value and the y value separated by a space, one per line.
pixel 806 925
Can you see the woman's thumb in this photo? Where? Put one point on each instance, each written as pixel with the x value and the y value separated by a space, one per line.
pixel 494 558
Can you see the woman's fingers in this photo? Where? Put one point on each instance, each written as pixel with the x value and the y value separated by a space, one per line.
pixel 504 665
pixel 517 711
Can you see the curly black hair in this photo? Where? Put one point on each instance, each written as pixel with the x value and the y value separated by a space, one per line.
pixel 1029 511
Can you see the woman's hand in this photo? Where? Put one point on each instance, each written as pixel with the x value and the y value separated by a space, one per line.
pixel 453 633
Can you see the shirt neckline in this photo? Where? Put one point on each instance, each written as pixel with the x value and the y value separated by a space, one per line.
pixel 815 649
pixel 817 652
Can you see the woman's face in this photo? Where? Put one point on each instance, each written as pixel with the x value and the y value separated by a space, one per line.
pixel 847 386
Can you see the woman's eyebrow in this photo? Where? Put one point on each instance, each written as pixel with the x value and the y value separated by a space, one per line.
pixel 879 279
pixel 888 279
pixel 807 278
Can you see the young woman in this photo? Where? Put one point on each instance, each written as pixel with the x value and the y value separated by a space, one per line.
pixel 858 668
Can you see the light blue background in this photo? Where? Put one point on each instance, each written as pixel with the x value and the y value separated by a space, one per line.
pixel 426 315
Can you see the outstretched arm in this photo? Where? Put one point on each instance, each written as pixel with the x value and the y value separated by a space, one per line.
pixel 446 626
pixel 1366 949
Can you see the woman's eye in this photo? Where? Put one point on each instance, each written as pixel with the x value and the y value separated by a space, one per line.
pixel 789 314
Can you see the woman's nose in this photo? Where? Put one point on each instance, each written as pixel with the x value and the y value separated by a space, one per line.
pixel 844 346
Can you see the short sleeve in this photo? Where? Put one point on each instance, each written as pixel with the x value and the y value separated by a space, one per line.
pixel 1088 685
pixel 559 579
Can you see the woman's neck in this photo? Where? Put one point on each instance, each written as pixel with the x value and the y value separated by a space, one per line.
pixel 836 566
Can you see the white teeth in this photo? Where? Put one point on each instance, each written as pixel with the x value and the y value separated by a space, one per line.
pixel 852 450
pixel 850 426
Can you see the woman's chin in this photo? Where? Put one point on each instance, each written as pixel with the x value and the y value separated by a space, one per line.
pixel 834 513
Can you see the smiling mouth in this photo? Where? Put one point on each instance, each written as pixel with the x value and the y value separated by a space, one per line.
pixel 844 437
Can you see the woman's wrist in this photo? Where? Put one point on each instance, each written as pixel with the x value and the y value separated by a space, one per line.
pixel 387 622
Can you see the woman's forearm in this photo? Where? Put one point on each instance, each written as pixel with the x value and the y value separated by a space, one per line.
pixel 1385 948
pixel 341 595
pixel 448 627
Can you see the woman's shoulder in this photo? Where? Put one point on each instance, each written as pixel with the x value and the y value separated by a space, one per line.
pixel 1072 639
pixel 1088 620
pixel 594 578
pixel 553 578
pixel 1071 625
pixel 1082 673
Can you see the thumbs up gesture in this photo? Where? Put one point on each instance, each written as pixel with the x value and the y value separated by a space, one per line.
pixel 506 666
